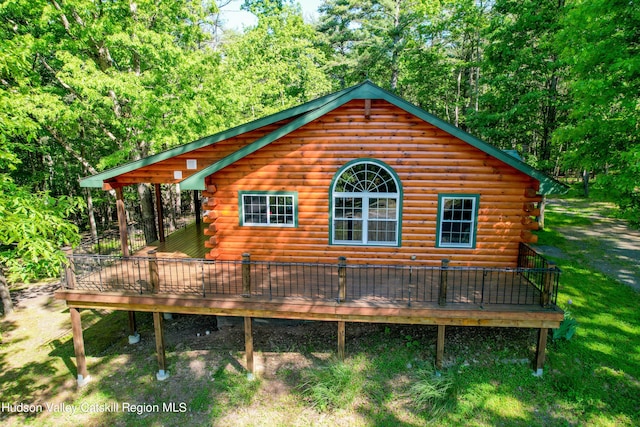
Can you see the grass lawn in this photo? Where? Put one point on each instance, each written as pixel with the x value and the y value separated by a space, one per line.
pixel 386 380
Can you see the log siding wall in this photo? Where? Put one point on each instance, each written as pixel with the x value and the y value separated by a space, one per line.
pixel 427 160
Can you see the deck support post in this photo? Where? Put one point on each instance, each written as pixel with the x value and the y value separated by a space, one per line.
pixel 78 346
pixel 440 347
pixel 246 275
pixel 248 346
pixel 124 246
pixel 442 296
pixel 341 339
pixel 134 336
pixel 154 275
pixel 162 374
pixel 342 279
pixel 158 192
pixel 540 351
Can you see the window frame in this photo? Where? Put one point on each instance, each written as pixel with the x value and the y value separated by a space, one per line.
pixel 241 203
pixel 442 198
pixel 365 196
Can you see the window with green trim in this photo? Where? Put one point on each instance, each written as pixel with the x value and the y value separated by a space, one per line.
pixel 457 220
pixel 365 205
pixel 268 209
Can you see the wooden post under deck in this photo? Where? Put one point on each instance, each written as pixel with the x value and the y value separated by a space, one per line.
pixel 248 344
pixel 78 346
pixel 440 347
pixel 540 350
pixel 341 340
pixel 134 337
pixel 159 332
pixel 158 192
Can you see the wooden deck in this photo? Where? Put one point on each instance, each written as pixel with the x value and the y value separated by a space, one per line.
pixel 165 277
pixel 187 242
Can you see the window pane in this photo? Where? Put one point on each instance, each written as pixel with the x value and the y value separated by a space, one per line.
pixel 457 221
pixel 382 231
pixel 281 210
pixel 348 230
pixel 255 209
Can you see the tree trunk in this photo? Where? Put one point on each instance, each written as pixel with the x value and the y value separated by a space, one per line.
pixel 92 217
pixel 7 305
pixel 540 217
pixel 585 183
pixel 148 214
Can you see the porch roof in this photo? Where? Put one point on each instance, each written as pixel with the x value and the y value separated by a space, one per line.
pixel 296 117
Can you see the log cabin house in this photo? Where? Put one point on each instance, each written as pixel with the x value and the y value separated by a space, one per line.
pixel 354 207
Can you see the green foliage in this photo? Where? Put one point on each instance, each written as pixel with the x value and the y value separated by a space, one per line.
pixel 335 385
pixel 33 229
pixel 567 328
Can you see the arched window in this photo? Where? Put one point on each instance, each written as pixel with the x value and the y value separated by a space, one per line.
pixel 366 198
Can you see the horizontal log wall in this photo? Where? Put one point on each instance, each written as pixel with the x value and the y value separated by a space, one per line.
pixel 427 160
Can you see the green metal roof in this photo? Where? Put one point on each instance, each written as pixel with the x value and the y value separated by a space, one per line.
pixel 306 113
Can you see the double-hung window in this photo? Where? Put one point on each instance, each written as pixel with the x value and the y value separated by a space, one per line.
pixel 366 205
pixel 268 209
pixel 457 220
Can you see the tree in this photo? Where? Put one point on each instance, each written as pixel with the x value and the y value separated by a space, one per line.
pixel 600 41
pixel 109 82
pixel 523 102
pixel 367 39
pixel 276 64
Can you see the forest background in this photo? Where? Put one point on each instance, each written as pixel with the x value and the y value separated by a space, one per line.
pixel 88 85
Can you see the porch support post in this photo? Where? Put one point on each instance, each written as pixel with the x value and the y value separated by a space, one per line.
pixel 540 351
pixel 122 222
pixel 440 347
pixel 158 192
pixel 159 332
pixel 248 345
pixel 197 206
pixel 134 336
pixel 78 346
pixel 341 339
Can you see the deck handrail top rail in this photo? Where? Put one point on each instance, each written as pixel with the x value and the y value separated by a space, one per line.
pixel 551 266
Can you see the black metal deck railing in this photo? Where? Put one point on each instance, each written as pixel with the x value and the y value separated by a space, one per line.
pixel 108 243
pixel 339 281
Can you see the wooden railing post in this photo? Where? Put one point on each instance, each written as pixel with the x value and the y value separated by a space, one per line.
pixel 69 273
pixel 246 275
pixel 342 279
pixel 442 297
pixel 154 275
pixel 547 286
